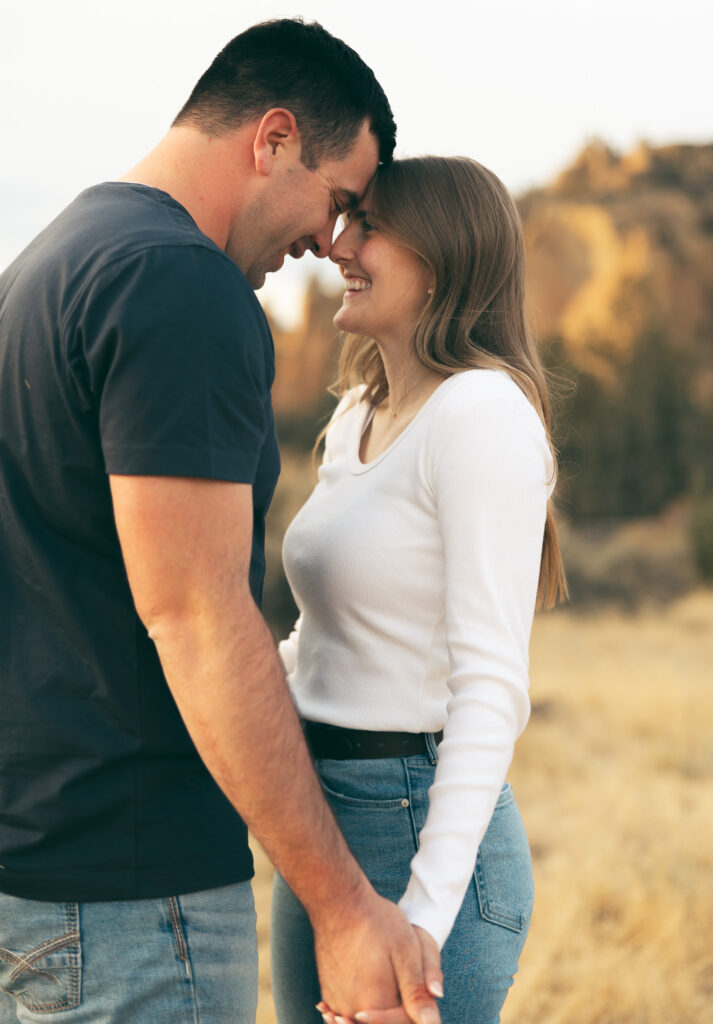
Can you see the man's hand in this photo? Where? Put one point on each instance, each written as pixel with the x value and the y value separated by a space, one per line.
pixel 378 969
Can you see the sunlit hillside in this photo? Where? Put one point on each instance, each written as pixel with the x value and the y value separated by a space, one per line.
pixel 619 242
pixel 614 775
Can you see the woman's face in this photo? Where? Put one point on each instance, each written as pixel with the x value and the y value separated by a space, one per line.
pixel 386 284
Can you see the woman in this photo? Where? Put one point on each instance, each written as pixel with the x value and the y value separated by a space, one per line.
pixel 416 565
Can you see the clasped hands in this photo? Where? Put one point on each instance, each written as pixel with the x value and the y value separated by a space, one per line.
pixel 382 970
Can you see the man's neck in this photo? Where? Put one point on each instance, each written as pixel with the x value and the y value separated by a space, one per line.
pixel 204 174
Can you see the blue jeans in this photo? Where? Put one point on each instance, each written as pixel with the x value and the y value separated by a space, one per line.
pixel 381 807
pixel 188 959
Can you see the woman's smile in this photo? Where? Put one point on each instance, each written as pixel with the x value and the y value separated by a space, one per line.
pixel 385 283
pixel 353 284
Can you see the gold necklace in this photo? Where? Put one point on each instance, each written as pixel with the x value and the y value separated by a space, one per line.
pixel 395 412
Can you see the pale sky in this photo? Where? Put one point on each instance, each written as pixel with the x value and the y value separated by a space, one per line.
pixel 86 88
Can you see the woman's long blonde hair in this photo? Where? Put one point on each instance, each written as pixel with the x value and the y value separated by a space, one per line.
pixel 460 219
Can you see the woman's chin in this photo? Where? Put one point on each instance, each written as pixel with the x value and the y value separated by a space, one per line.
pixel 343 320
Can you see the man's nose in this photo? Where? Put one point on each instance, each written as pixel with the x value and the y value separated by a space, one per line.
pixel 321 243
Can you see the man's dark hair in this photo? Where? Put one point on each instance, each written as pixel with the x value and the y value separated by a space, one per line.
pixel 285 63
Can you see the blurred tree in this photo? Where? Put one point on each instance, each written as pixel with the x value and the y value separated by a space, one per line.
pixel 701 535
pixel 630 445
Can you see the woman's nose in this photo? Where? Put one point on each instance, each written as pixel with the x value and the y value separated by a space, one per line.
pixel 342 249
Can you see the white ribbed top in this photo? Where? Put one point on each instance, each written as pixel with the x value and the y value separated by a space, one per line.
pixel 416 576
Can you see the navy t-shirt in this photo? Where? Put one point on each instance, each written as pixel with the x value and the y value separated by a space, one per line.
pixel 129 344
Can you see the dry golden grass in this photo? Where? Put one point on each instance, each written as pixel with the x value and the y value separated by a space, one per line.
pixel 614 776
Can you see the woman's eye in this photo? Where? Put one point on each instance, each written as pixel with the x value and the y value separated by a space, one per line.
pixel 366 226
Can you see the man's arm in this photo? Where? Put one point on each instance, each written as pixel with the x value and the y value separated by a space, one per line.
pixel 186 546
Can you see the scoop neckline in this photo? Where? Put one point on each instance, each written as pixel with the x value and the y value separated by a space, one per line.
pixel 355 463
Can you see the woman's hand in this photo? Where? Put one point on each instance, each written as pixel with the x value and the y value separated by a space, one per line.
pixel 433 978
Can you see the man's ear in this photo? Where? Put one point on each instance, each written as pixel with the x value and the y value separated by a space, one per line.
pixel 277 134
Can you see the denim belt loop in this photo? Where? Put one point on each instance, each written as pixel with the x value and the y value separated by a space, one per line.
pixel 431 747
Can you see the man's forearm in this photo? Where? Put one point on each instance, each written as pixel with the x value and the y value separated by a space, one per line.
pixel 186 545
pixel 228 682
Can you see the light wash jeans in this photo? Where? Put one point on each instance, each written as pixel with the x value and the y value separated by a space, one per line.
pixel 188 959
pixel 381 806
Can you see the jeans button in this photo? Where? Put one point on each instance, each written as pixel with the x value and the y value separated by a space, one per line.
pixel 404 802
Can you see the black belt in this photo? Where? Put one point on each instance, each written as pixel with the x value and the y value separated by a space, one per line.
pixel 338 744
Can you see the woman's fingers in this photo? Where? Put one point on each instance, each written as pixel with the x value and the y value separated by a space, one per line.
pixel 396 1015
pixel 432 974
pixel 328 1015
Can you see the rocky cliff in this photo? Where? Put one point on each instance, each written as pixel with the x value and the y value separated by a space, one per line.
pixel 621 244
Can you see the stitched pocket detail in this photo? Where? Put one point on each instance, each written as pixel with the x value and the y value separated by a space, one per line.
pixel 503 869
pixel 179 935
pixel 395 803
pixel 46 977
pixel 379 783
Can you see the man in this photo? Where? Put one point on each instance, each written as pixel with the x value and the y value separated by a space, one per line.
pixel 137 460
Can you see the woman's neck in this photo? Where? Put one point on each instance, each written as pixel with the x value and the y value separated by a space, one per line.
pixel 409 381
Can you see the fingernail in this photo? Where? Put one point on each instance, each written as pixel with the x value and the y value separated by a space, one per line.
pixel 341 1020
pixel 321 1007
pixel 429 1016
pixel 362 1016
pixel 436 989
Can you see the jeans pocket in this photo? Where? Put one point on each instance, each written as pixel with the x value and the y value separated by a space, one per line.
pixel 40 954
pixel 371 801
pixel 376 784
pixel 503 869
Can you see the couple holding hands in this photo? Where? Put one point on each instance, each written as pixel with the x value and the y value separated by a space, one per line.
pixel 145 718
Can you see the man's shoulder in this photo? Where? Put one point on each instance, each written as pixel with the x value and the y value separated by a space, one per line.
pixel 135 240
pixel 120 220
pixel 108 228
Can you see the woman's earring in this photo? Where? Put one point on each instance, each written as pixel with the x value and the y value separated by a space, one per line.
pixel 429 292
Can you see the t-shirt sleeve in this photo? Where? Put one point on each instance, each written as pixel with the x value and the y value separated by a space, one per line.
pixel 491 478
pixel 177 356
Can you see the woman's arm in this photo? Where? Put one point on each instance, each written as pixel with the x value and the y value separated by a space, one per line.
pixel 491 477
